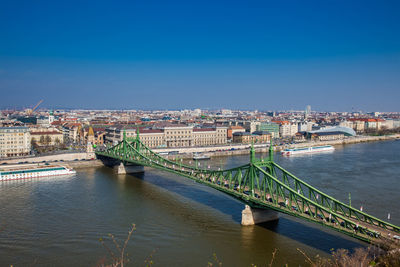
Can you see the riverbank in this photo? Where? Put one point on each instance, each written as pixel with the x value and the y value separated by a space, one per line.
pixel 187 153
pixel 349 140
pixel 82 160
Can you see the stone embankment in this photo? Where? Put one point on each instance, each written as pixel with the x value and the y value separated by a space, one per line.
pixel 348 140
pixel 262 148
pixel 71 159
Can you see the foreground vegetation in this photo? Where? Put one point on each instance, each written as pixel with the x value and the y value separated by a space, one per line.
pixel 380 255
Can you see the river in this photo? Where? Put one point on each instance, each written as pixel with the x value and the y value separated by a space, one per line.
pixel 58 221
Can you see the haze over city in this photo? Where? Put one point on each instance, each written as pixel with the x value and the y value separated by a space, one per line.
pixel 336 56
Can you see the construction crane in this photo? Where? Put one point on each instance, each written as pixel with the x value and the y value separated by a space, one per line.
pixel 30 111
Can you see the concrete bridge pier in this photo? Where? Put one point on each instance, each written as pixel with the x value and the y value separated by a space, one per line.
pixel 126 169
pixel 251 216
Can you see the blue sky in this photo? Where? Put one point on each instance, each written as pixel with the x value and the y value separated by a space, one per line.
pixel 266 55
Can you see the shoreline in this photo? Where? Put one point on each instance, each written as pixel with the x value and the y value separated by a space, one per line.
pixel 278 148
pixel 86 160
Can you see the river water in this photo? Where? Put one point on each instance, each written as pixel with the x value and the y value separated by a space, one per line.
pixel 58 221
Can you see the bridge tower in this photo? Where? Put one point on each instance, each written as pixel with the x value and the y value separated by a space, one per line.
pixel 254 215
pixel 125 167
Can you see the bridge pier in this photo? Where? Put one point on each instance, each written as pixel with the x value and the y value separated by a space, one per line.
pixel 126 169
pixel 251 216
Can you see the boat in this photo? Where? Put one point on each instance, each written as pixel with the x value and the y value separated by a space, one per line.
pixel 303 150
pixel 17 172
pixel 198 156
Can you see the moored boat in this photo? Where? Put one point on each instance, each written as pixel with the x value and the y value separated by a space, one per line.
pixel 198 156
pixel 303 150
pixel 16 172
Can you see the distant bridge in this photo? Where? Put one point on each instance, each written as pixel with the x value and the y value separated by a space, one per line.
pixel 264 186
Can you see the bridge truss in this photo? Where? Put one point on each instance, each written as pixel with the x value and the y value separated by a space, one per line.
pixel 262 183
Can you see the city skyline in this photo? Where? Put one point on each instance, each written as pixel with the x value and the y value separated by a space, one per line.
pixel 267 56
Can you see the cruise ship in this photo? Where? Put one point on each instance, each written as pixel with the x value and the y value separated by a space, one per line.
pixel 16 172
pixel 303 150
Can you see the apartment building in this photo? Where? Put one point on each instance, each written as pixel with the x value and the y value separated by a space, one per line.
pixel 14 141
pixel 287 129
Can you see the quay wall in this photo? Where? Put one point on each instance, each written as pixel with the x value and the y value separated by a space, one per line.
pixel 244 149
pixel 56 157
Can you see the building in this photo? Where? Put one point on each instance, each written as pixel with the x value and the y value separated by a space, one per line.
pixel 242 138
pixel 307 111
pixel 270 127
pixel 261 137
pixel 251 126
pixel 287 129
pixel 364 124
pixel 300 137
pixel 387 124
pixel 168 135
pixel 47 137
pixel 234 129
pixel 178 135
pixel 304 126
pixel 327 136
pixel 248 138
pixel 14 141
pixel 209 136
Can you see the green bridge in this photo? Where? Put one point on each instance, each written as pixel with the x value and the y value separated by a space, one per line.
pixel 264 186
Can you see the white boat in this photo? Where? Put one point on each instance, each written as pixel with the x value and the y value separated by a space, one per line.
pixel 303 150
pixel 197 156
pixel 28 171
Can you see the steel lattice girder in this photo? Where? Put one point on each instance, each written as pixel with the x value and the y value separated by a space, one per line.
pixel 263 184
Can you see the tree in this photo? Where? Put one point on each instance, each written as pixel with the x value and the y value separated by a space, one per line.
pixel 34 144
pixel 47 140
pixel 42 140
pixel 57 141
